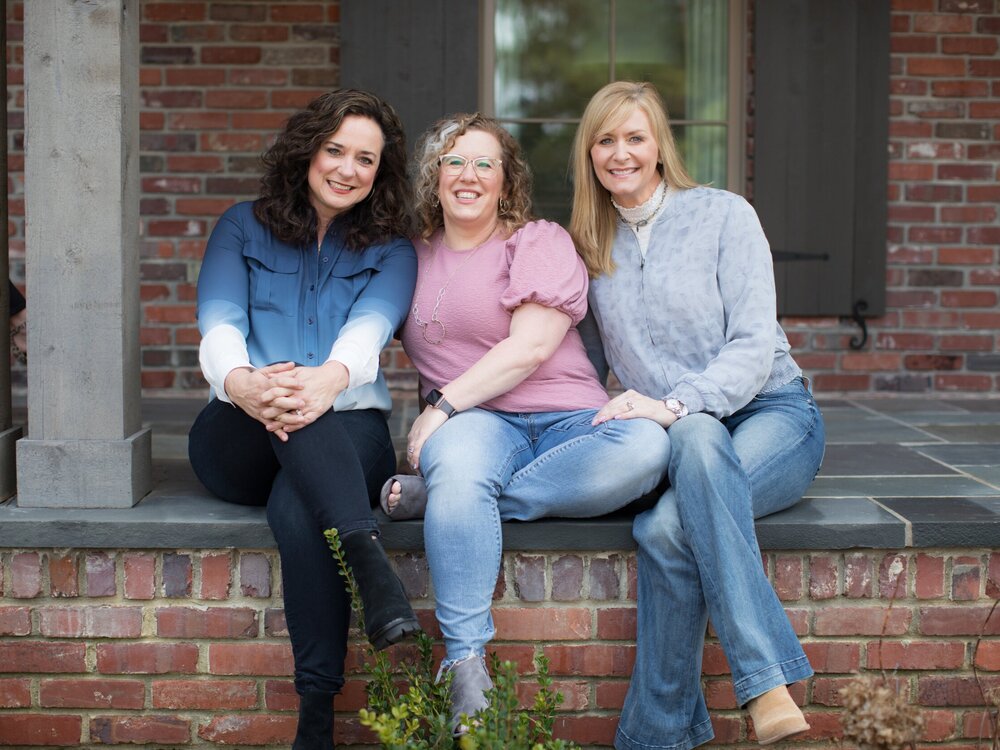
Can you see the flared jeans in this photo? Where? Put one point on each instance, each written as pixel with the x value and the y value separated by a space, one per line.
pixel 698 559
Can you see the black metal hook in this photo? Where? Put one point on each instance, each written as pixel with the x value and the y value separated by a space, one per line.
pixel 859 307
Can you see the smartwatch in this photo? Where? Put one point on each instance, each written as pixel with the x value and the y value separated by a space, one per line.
pixel 436 399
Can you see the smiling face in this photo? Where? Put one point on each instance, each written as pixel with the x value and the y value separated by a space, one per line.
pixel 624 159
pixel 470 201
pixel 342 171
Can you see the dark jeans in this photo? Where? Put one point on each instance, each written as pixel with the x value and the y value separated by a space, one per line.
pixel 327 475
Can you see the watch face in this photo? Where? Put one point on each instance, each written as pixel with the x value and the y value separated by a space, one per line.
pixel 434 396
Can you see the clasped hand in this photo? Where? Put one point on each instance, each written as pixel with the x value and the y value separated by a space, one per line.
pixel 285 397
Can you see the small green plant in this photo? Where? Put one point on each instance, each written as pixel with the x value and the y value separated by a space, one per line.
pixel 408 710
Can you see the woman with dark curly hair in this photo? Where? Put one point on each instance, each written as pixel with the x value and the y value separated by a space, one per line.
pixel 508 433
pixel 298 293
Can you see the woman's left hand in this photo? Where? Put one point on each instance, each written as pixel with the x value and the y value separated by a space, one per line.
pixel 320 388
pixel 423 427
pixel 633 405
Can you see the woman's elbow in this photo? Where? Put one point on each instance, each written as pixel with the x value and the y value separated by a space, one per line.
pixel 538 353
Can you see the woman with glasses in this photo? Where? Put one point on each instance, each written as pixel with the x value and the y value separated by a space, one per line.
pixel 315 275
pixel 682 290
pixel 509 429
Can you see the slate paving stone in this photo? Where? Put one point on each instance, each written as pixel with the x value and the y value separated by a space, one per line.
pixel 958 522
pixel 904 486
pixel 860 427
pixel 921 419
pixel 982 433
pixel 988 474
pixel 981 404
pixel 835 404
pixel 839 523
pixel 901 406
pixel 969 454
pixel 863 459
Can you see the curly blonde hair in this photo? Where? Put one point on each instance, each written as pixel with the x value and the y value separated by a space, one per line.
pixel 515 202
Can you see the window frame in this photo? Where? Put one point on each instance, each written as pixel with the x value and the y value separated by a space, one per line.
pixel 736 140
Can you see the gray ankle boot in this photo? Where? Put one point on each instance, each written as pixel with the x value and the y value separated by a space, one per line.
pixel 469 683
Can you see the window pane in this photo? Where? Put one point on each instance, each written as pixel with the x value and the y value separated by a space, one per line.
pixel 704 150
pixel 680 46
pixel 551 56
pixel 650 46
pixel 547 147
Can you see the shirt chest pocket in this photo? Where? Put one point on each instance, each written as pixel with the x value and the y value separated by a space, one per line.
pixel 353 271
pixel 274 279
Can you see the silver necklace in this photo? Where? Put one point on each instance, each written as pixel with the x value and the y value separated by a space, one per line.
pixel 649 217
pixel 434 330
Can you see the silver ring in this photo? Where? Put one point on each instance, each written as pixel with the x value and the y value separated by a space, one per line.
pixel 409 451
pixel 299 412
pixel 629 405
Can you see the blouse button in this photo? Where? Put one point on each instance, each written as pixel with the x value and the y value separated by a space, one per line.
pixel 309 355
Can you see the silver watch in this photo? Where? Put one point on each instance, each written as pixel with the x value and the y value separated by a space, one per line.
pixel 678 408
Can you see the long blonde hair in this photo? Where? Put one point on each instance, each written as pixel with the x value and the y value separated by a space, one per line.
pixel 594 220
pixel 441 136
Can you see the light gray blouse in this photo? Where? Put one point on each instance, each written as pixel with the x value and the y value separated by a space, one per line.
pixel 695 319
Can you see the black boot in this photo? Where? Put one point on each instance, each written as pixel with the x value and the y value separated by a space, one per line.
pixel 315 730
pixel 388 616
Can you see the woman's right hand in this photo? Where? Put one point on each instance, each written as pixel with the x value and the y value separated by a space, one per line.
pixel 265 393
pixel 634 405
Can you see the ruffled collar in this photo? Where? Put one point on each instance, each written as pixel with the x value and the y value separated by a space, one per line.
pixel 642 214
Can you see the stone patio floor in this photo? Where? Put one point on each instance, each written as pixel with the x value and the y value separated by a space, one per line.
pixel 899 472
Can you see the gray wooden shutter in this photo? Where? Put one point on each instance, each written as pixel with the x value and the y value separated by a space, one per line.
pixel 422 56
pixel 821 150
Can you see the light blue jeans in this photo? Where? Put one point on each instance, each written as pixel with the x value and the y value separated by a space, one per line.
pixel 483 467
pixel 699 559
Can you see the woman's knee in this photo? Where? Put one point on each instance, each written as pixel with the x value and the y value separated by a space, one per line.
pixel 646 445
pixel 474 448
pixel 700 440
pixel 659 527
pixel 231 456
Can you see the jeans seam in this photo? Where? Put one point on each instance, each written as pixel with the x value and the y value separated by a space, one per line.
pixel 528 470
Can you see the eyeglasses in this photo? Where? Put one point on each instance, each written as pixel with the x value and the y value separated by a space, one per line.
pixel 485 167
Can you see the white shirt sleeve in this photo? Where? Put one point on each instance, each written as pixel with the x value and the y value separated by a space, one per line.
pixel 222 350
pixel 358 347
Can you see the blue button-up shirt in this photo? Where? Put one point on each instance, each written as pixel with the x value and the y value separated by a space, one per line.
pixel 291 304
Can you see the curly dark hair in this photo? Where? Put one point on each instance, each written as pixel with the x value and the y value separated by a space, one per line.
pixel 283 205
pixel 442 136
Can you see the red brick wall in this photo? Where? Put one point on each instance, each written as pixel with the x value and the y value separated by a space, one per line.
pixel 218 79
pixel 939 332
pixel 190 648
pixel 219 76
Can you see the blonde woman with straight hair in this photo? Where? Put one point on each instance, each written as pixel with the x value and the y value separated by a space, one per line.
pixel 682 293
